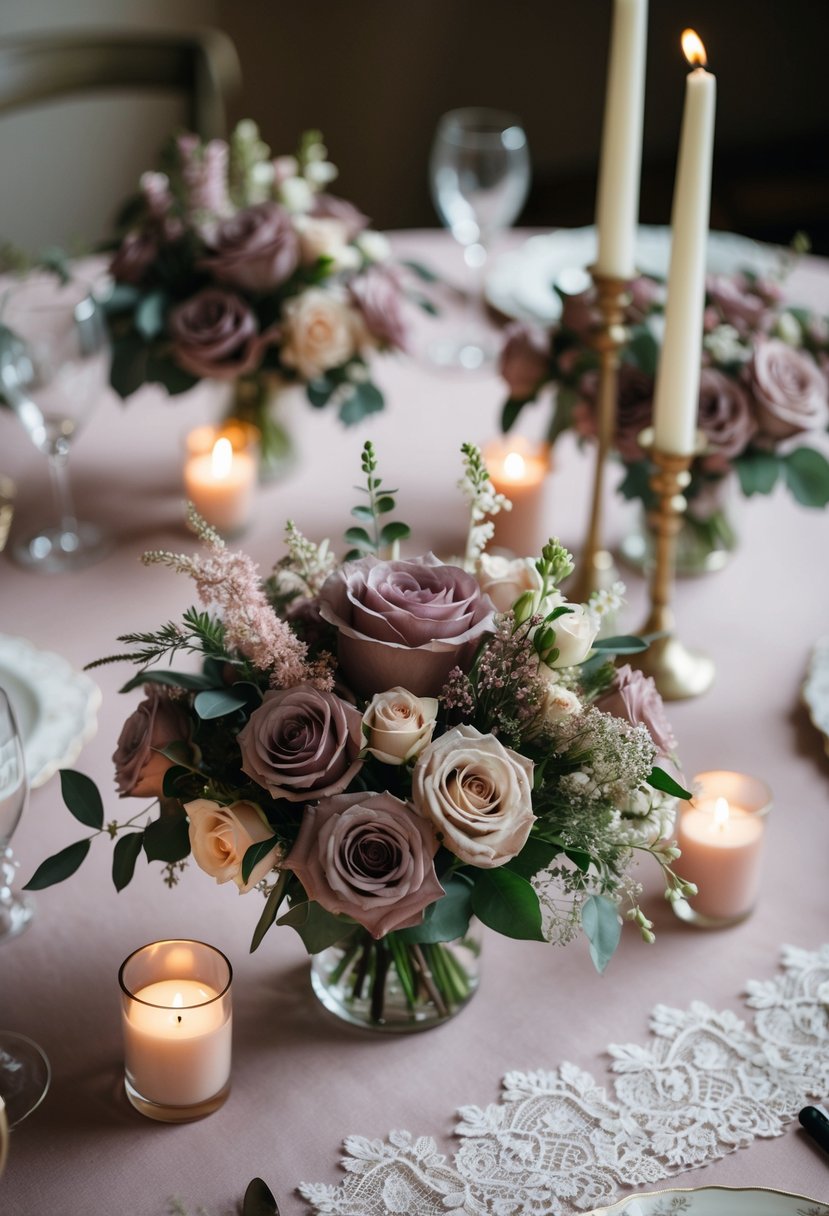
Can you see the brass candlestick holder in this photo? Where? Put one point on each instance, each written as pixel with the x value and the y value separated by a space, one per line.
pixel 596 568
pixel 677 671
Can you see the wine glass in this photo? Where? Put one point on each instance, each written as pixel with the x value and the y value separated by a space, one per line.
pixel 53 367
pixel 24 1069
pixel 479 174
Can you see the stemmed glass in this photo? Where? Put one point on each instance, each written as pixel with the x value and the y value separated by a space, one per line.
pixel 479 174
pixel 24 1069
pixel 53 368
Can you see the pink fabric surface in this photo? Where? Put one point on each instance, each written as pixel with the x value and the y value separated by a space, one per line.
pixel 302 1081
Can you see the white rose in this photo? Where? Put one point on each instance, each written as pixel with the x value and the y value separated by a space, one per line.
pixel 374 246
pixel 321 237
pixel 397 725
pixel 503 580
pixel 575 634
pixel 478 795
pixel 221 835
pixel 321 332
pixel 789 329
pixel 557 702
pixel 296 194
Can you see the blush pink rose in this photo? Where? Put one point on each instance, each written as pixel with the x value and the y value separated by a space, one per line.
pixel 789 391
pixel 155 723
pixel 478 795
pixel 368 856
pixel 302 743
pixel 256 249
pixel 405 623
pixel 215 334
pixel 221 835
pixel 525 360
pixel 724 413
pixel 320 331
pixel 633 697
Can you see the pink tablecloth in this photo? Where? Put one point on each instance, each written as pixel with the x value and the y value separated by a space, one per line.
pixel 301 1082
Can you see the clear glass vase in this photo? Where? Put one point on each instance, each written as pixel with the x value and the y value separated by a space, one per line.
pixel 707 537
pixel 261 400
pixel 396 986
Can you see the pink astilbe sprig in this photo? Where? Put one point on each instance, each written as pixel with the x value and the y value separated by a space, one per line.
pixel 230 582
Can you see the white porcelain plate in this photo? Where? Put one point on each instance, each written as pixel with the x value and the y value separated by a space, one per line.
pixel 55 705
pixel 715 1201
pixel 522 282
pixel 816 688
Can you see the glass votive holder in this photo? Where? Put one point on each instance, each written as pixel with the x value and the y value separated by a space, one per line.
pixel 176 1019
pixel 221 469
pixel 721 833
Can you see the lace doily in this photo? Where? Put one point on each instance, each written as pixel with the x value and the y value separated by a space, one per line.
pixel 705 1084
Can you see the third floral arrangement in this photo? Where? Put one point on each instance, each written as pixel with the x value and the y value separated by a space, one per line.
pixel 386 746
pixel 764 386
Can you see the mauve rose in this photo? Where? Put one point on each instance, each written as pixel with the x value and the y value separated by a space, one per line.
pixel 634 410
pixel 738 303
pixel 302 743
pixel 221 835
pixel 633 697
pixel 320 331
pixel 155 723
pixel 789 391
pixel 377 294
pixel 478 795
pixel 256 249
pixel 367 856
pixel 404 623
pixel 724 413
pixel 330 206
pixel 214 333
pixel 134 256
pixel 525 359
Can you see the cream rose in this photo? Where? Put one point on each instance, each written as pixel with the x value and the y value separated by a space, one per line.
pixel 321 237
pixel 221 835
pixel 575 634
pixel 397 725
pixel 320 332
pixel 478 795
pixel 556 703
pixel 503 580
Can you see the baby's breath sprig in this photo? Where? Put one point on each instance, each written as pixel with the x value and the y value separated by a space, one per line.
pixel 476 486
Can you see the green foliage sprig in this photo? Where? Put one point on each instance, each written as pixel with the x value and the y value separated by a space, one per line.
pixel 380 502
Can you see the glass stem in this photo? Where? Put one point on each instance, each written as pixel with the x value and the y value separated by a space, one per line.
pixel 59 475
pixel 475 257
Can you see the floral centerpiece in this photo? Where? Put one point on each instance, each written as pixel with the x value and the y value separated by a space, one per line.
pixel 235 265
pixel 764 389
pixel 387 747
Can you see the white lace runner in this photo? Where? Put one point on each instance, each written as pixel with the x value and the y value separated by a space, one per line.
pixel 705 1084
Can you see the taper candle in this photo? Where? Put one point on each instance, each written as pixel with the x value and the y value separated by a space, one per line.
pixel 617 202
pixel 676 399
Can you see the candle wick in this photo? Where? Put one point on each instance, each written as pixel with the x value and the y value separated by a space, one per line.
pixel 178 1017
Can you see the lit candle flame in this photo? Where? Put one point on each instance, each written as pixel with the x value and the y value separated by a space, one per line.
pixel 221 459
pixel 515 466
pixel 722 813
pixel 693 49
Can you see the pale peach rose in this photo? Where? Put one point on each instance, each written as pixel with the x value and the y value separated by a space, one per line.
pixel 477 794
pixel 503 580
pixel 557 702
pixel 575 634
pixel 397 725
pixel 320 332
pixel 221 835
pixel 323 238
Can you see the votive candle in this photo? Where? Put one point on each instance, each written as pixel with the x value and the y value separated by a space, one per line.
pixel 177 1028
pixel 721 833
pixel 220 473
pixel 518 469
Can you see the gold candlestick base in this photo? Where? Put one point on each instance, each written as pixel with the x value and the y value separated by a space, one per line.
pixel 596 569
pixel 678 672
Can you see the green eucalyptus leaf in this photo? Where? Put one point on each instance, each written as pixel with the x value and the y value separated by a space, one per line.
pixel 624 644
pixel 643 351
pixel 58 867
pixel 149 314
pixel 80 793
pixel 660 780
pixel 217 703
pixel 128 368
pixel 167 839
pixel 162 369
pixel 510 412
pixel 254 854
pixel 445 919
pixel 364 513
pixel 757 471
pixel 383 504
pixel 600 920
pixel 423 272
pixel 392 532
pixel 507 903
pixel 318 928
pixel 319 391
pixel 366 399
pixel 807 476
pixel 270 910
pixel 125 855
pixel 579 858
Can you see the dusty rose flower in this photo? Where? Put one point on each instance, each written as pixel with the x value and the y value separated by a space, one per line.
pixel 155 723
pixel 579 313
pixel 377 294
pixel 724 413
pixel 525 359
pixel 633 697
pixel 134 256
pixel 634 410
pixel 478 795
pixel 504 579
pixel 221 835
pixel 214 333
pixel 330 206
pixel 738 303
pixel 301 743
pixel 789 391
pixel 320 332
pixel 255 249
pixel 575 634
pixel 397 726
pixel 367 856
pixel 404 623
